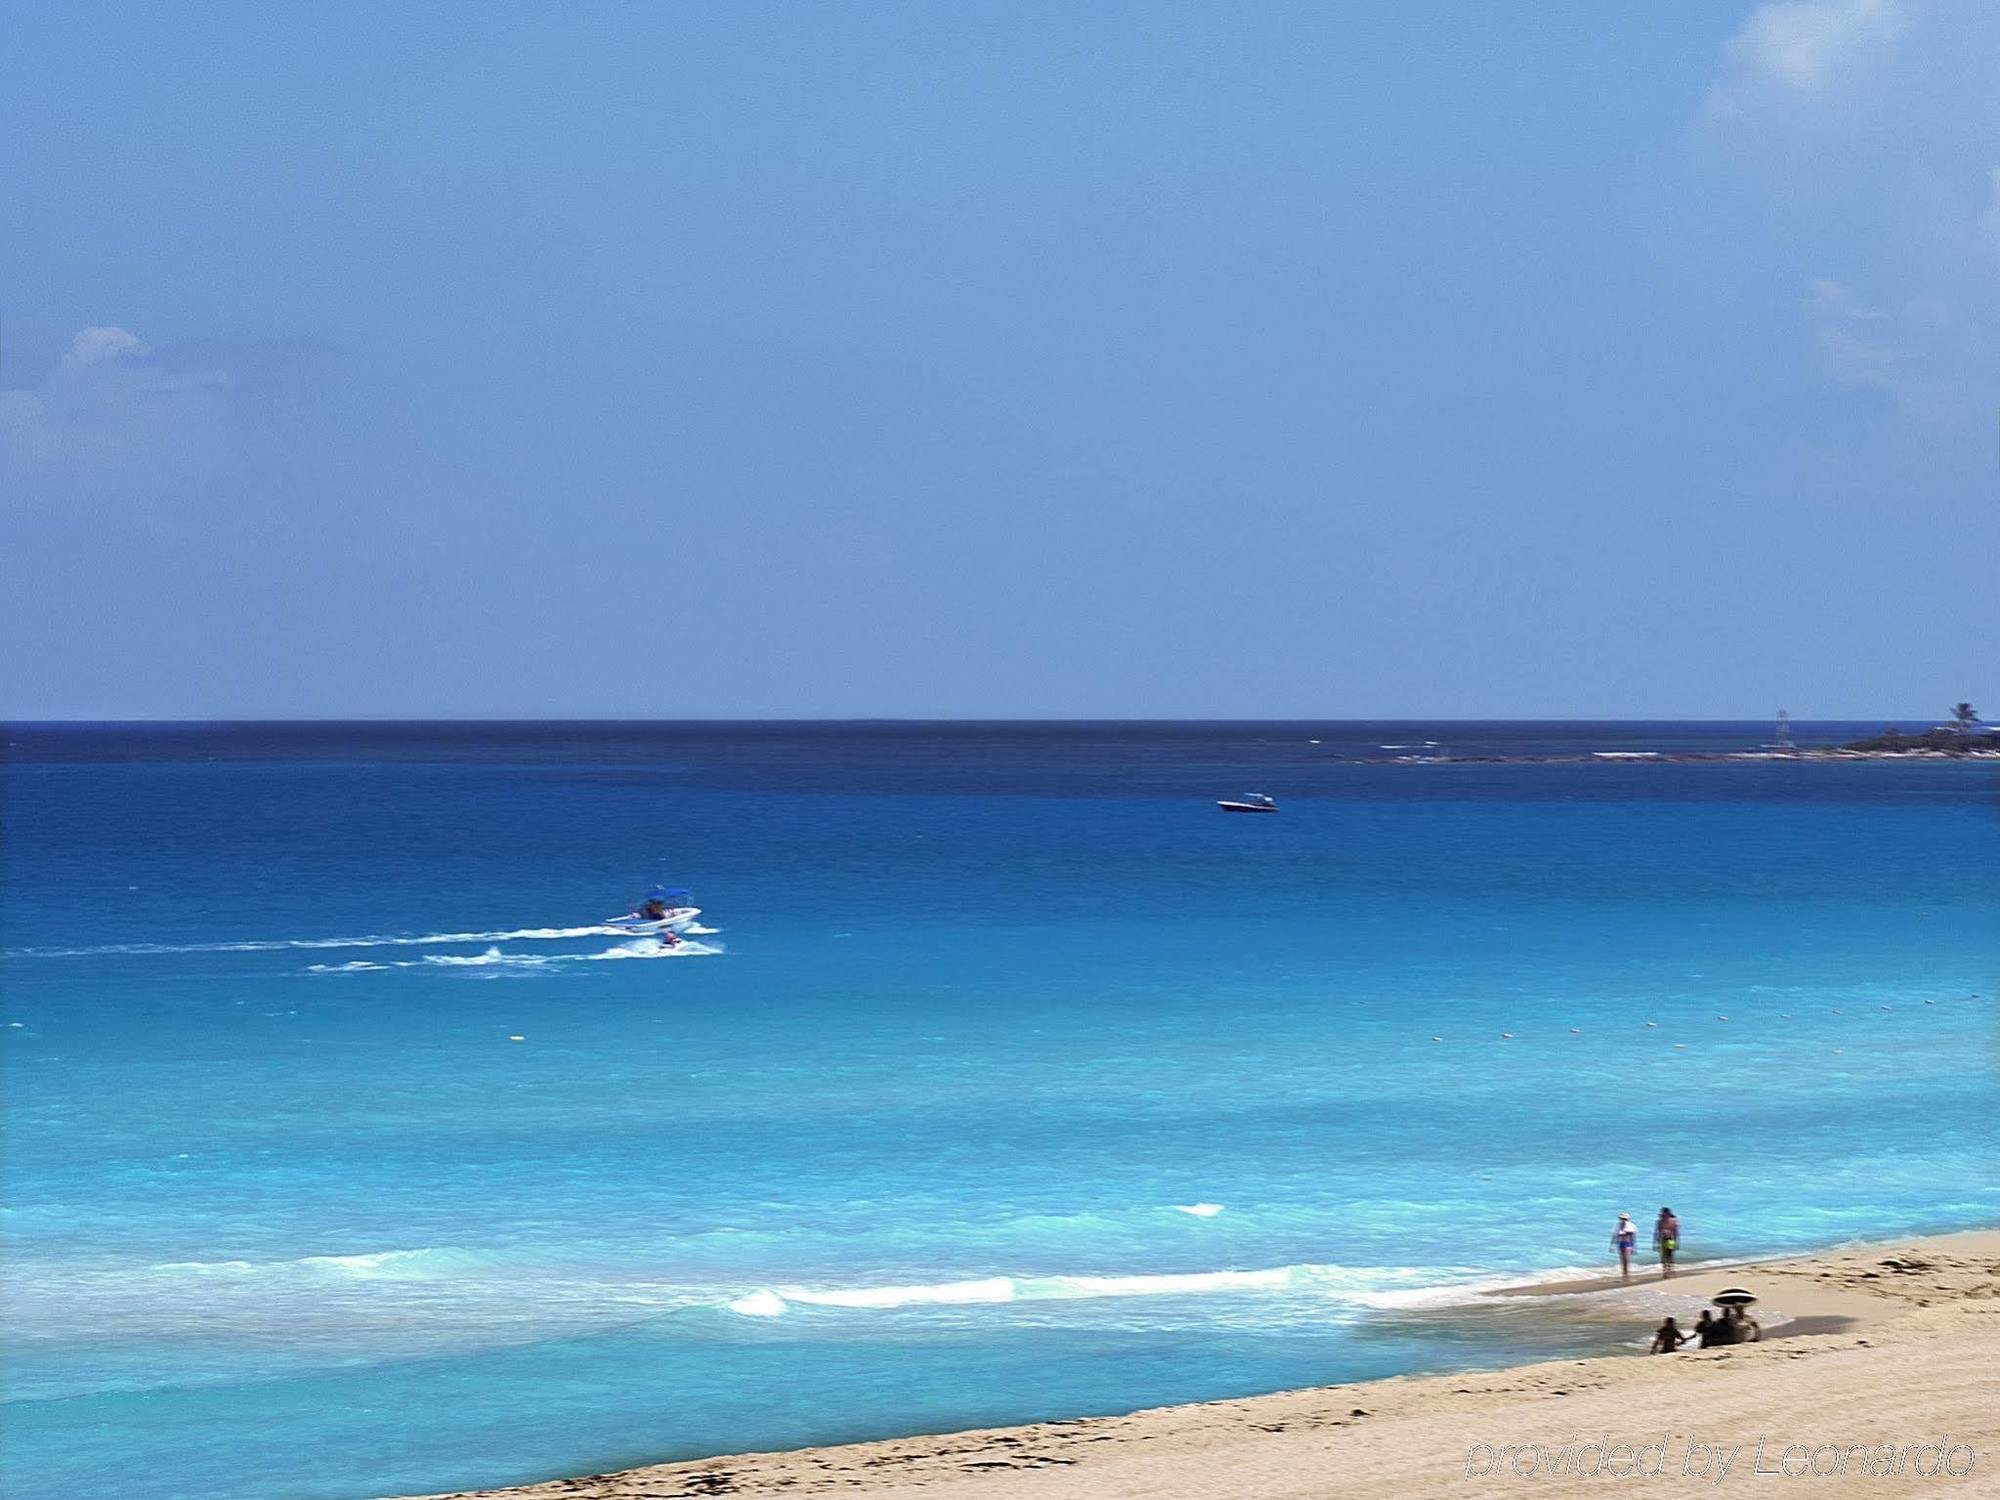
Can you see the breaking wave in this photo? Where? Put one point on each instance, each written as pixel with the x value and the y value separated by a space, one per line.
pixel 424 1264
pixel 1363 1286
pixel 1366 1286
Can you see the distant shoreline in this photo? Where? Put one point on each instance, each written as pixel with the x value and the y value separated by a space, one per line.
pixel 1667 757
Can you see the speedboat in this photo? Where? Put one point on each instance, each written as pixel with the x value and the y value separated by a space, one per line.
pixel 1250 802
pixel 665 909
pixel 637 924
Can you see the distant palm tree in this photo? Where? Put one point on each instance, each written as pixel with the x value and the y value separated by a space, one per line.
pixel 1963 717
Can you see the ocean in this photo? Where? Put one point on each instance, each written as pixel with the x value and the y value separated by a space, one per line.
pixel 1011 1081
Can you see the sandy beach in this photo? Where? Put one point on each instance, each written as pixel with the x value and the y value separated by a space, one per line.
pixel 1879 1374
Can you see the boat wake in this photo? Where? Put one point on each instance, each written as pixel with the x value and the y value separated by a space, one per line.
pixel 282 945
pixel 494 958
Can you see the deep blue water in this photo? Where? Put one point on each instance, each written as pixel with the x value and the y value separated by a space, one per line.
pixel 913 1143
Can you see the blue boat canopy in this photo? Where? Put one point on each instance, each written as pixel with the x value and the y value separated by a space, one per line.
pixel 665 892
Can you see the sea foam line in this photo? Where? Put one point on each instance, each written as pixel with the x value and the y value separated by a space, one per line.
pixel 1362 1285
pixel 449 1263
pixel 1374 1286
pixel 1356 1287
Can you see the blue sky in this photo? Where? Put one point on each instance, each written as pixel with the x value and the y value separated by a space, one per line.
pixel 933 360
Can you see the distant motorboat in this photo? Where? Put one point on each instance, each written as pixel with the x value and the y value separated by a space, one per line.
pixel 1250 802
pixel 665 909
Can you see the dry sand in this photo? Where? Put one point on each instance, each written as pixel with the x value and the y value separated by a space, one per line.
pixel 1894 1346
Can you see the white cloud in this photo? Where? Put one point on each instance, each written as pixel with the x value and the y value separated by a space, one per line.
pixel 1860 346
pixel 1802 45
pixel 115 416
pixel 96 345
pixel 1854 140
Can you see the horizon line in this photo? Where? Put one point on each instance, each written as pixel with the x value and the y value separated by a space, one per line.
pixel 869 719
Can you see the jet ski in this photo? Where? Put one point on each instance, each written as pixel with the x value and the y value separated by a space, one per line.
pixel 665 909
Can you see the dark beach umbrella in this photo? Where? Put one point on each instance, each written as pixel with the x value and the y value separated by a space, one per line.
pixel 1734 1296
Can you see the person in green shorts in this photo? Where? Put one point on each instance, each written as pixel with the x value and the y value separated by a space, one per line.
pixel 1666 1240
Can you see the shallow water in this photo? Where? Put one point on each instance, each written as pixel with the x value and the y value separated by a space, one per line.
pixel 1014 1082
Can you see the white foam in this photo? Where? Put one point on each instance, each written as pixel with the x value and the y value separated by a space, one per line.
pixel 991 1289
pixel 1364 1286
pixel 404 1264
pixel 473 1279
pixel 280 945
pixel 497 958
pixel 381 1262
pixel 1188 1284
pixel 650 948
pixel 487 959
pixel 1199 1210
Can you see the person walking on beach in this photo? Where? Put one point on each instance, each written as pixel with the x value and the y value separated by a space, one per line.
pixel 1668 1337
pixel 1666 1240
pixel 1624 1239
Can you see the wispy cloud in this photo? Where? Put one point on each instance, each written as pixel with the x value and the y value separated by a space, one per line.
pixel 113 415
pixel 1866 348
pixel 1858 135
pixel 1800 47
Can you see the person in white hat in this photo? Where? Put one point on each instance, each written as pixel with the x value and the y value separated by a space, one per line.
pixel 1625 1239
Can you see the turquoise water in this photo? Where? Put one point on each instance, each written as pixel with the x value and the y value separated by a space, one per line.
pixel 1014 1081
